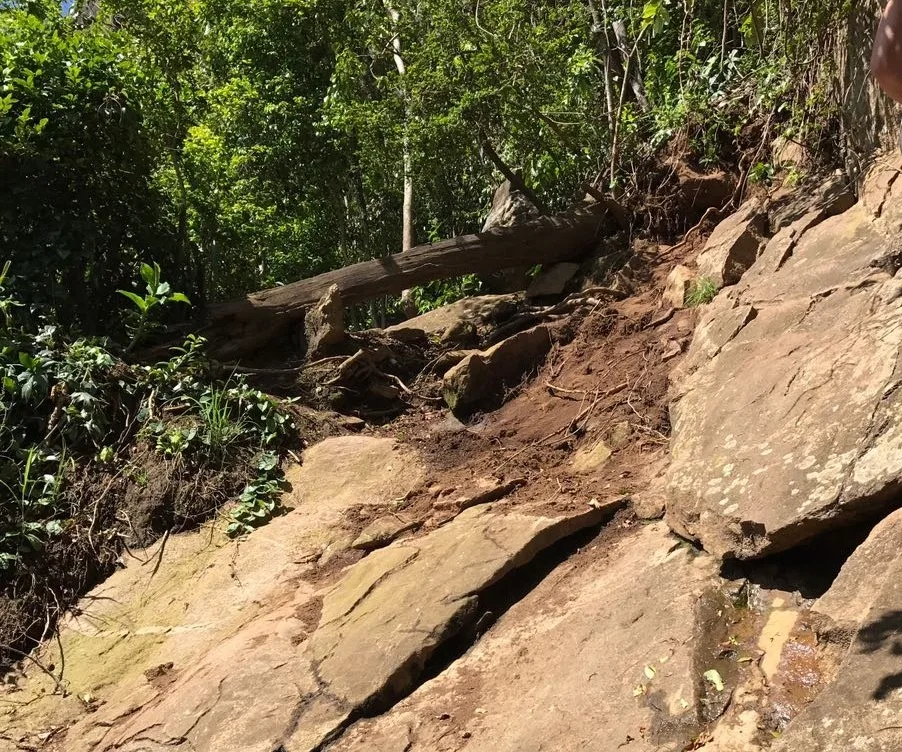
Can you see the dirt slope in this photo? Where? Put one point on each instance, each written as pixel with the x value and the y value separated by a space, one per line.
pixel 504 582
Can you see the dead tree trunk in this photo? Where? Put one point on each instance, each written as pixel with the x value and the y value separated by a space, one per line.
pixel 239 327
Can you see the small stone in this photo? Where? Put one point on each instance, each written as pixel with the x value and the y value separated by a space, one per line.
pixel 590 459
pixel 552 281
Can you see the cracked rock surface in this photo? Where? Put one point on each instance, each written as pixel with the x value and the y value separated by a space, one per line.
pixel 788 414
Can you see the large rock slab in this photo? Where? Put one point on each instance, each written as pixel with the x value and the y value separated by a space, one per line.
pixel 599 656
pixel 479 311
pixel 385 619
pixel 787 416
pixel 290 673
pixel 481 377
pixel 860 710
pixel 174 645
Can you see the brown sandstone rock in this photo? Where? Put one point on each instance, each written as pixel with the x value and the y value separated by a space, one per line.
pixel 790 423
pixel 382 531
pixel 829 197
pixel 482 376
pixel 612 667
pixel 734 245
pixel 676 287
pixel 552 281
pixel 324 323
pixel 381 623
pixel 228 617
pixel 480 311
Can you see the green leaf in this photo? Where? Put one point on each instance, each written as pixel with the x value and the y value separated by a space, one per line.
pixel 134 298
pixel 179 297
pixel 151 275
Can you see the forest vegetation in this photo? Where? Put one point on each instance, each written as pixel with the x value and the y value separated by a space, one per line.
pixel 159 156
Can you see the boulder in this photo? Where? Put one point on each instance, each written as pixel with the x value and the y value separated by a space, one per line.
pixel 678 282
pixel 613 667
pixel 481 311
pixel 861 708
pixel 481 377
pixel 324 323
pixel 552 281
pixel 734 245
pixel 788 421
pixel 509 207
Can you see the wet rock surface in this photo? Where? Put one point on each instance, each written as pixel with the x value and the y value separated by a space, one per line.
pixel 861 707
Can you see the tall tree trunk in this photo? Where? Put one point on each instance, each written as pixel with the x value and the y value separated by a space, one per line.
pixel 407 234
pixel 630 65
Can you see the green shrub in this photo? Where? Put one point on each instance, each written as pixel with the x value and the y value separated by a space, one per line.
pixel 702 292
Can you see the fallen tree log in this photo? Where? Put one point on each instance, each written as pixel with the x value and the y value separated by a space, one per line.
pixel 239 327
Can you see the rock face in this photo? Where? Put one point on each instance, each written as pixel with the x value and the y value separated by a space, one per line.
pixel 255 656
pixel 228 619
pixel 734 245
pixel 381 623
pixel 787 413
pixel 482 376
pixel 861 709
pixel 609 667
pixel 324 323
pixel 831 196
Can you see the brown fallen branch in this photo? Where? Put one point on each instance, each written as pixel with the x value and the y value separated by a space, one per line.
pixel 239 327
pixel 571 303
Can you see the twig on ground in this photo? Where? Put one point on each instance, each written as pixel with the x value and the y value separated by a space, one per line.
pixel 60 687
pixel 235 368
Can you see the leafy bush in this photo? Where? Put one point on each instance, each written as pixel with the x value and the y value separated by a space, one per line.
pixel 67 403
pixel 260 500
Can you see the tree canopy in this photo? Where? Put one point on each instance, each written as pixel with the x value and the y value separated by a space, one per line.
pixel 246 144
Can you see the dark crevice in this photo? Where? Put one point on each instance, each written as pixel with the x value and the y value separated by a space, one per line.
pixel 489 605
pixel 495 600
pixel 811 567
